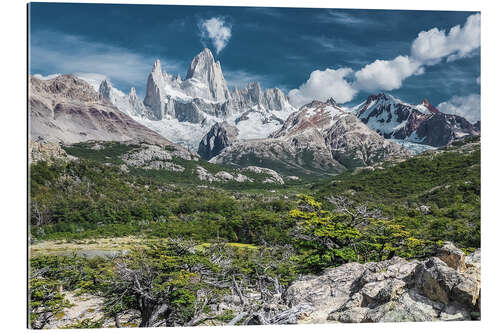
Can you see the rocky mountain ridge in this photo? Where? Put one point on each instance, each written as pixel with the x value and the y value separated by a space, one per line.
pixel 220 136
pixel 320 137
pixel 130 104
pixel 249 126
pixel 422 123
pixel 184 110
pixel 67 109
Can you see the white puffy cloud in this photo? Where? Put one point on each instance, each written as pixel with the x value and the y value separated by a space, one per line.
pixel 386 74
pixel 322 85
pixel 429 48
pixel 217 31
pixel 433 45
pixel 468 107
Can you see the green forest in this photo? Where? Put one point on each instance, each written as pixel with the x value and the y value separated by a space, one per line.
pixel 202 239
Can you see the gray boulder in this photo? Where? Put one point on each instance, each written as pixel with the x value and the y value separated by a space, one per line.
pixel 440 282
pixel 452 256
pixel 393 290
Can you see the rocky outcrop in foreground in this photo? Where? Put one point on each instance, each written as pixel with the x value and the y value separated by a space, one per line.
pixel 444 287
pixel 441 288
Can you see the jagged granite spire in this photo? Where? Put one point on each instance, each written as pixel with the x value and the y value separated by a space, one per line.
pixel 154 91
pixel 105 90
pixel 253 95
pixel 206 70
pixel 157 68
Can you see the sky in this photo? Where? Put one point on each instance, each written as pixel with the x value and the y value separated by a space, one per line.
pixel 308 53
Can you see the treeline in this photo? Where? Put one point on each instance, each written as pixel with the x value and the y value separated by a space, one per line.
pixel 435 196
pixel 85 198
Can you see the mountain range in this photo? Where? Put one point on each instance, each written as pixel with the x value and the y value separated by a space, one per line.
pixel 422 123
pixel 66 109
pixel 242 127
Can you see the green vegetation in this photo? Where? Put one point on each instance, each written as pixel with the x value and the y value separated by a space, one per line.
pixel 111 153
pixel 204 241
pixel 436 196
pixel 85 199
pixel 325 238
pixel 104 152
pixel 168 281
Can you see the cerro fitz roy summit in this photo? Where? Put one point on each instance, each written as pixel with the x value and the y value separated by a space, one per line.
pixel 252 126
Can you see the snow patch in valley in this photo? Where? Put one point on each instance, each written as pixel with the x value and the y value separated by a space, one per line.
pixel 185 133
pixel 415 138
pixel 414 148
pixel 260 124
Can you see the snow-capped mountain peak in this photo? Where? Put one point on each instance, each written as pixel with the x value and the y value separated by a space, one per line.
pixel 315 115
pixel 426 106
pixel 422 123
pixel 204 78
pixel 132 92
pixel 331 101
pixel 201 64
pixel 157 68
pixel 129 104
pixel 184 110
pixel 383 98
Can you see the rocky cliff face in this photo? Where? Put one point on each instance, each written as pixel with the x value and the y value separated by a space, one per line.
pixel 155 99
pixel 422 123
pixel 204 78
pixel 444 287
pixel 204 90
pixel 203 99
pixel 205 85
pixel 253 97
pixel 353 144
pixel 319 138
pixel 67 109
pixel 220 136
